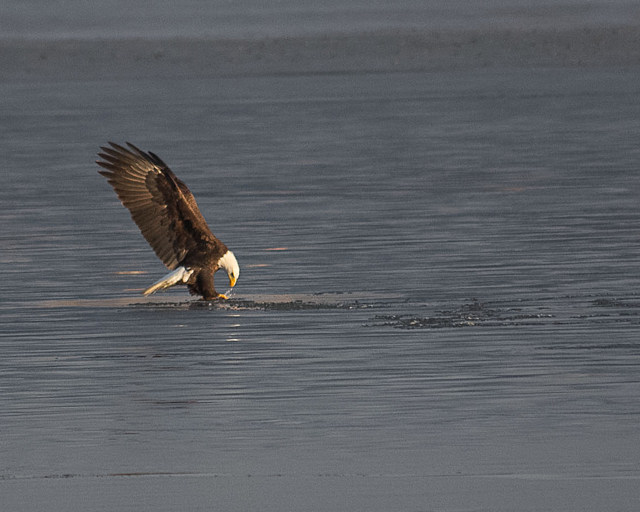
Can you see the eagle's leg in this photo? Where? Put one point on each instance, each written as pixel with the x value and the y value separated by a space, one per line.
pixel 206 287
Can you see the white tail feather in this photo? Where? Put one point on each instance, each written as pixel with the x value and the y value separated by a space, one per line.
pixel 179 275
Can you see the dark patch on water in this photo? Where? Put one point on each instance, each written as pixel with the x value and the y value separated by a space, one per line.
pixel 557 311
pixel 615 303
pixel 293 305
pixel 244 304
pixel 470 314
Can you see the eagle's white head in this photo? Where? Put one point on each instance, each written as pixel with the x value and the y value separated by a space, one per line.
pixel 230 264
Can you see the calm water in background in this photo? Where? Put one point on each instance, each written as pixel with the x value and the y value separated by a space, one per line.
pixel 259 18
pixel 450 320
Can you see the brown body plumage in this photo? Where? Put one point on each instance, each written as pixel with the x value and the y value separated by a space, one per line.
pixel 168 217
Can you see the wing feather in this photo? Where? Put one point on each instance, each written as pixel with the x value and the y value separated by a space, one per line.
pixel 160 204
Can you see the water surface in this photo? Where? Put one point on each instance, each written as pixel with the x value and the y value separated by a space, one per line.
pixel 438 307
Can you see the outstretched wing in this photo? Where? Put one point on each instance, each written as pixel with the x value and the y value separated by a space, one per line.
pixel 160 204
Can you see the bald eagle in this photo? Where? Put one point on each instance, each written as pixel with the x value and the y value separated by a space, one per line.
pixel 168 217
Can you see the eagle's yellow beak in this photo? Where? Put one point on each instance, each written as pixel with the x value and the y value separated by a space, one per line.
pixel 232 281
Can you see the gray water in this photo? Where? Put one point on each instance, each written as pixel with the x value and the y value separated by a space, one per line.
pixel 438 306
pixel 259 18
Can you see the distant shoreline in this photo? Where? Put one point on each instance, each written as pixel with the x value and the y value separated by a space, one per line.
pixel 377 51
